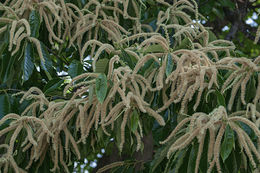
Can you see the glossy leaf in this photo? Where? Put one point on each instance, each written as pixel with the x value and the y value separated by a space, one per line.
pixel 34 20
pixel 53 85
pixel 75 68
pixel 101 87
pixel 4 105
pixel 47 63
pixel 169 65
pixel 28 64
pixel 228 143
pixel 134 121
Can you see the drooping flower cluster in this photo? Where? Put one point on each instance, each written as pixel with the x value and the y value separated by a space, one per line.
pixel 156 63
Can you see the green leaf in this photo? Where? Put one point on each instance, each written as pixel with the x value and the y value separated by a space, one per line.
pixel 28 64
pixel 102 65
pixel 169 65
pixel 8 69
pixel 192 158
pixel 212 36
pixel 91 93
pixel 185 44
pixel 75 68
pixel 231 163
pixel 134 121
pixel 47 63
pixel 228 3
pixel 34 20
pixel 251 90
pixel 127 59
pixel 52 85
pixel 228 143
pixel 101 87
pixel 4 38
pixel 220 99
pixel 4 105
pixel 181 156
pixel 156 48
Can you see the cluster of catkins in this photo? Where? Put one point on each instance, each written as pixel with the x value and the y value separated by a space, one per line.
pixel 184 73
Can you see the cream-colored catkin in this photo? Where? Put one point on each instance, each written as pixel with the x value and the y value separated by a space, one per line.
pixel 177 128
pixel 243 144
pixel 13 139
pixel 38 47
pixel 12 31
pixel 184 143
pixel 154 114
pixel 217 147
pixel 243 87
pixel 233 93
pixel 112 165
pixel 248 122
pixel 212 135
pixel 124 121
pixel 201 144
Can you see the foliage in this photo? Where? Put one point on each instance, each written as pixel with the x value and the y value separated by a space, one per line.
pixel 133 69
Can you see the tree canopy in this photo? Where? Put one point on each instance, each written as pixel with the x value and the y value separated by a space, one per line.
pixel 132 85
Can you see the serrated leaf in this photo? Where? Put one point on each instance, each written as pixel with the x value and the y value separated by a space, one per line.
pixel 134 121
pixel 101 65
pixel 47 63
pixel 228 143
pixel 34 21
pixel 28 64
pixel 75 68
pixel 101 87
pixel 52 85
pixel 169 65
pixel 4 105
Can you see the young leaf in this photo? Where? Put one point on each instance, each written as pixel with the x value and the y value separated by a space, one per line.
pixel 134 121
pixel 101 87
pixel 28 65
pixel 228 143
pixel 169 65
